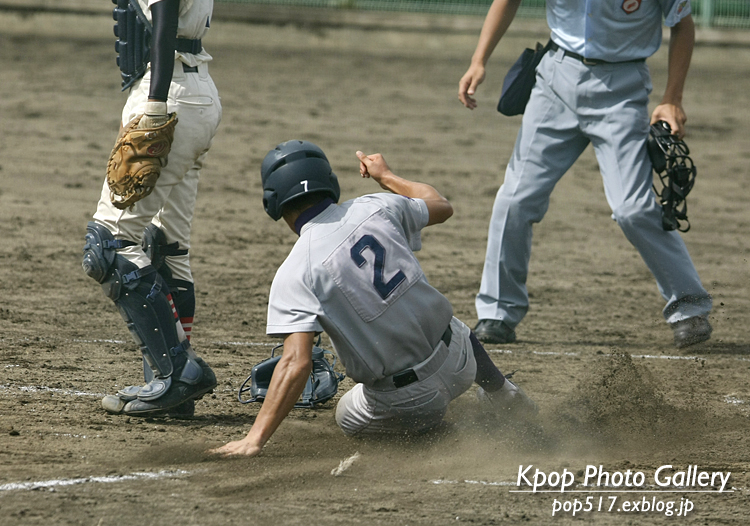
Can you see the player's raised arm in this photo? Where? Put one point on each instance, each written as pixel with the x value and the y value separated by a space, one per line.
pixel 375 166
pixel 287 383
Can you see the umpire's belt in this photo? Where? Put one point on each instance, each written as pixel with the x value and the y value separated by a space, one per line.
pixel 590 61
pixel 420 371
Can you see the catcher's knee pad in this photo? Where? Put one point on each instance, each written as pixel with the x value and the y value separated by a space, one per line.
pixel 154 244
pixel 100 251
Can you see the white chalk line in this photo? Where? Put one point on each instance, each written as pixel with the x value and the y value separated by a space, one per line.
pixel 234 343
pixel 665 357
pixel 42 389
pixel 75 435
pixel 67 392
pixel 727 399
pixel 127 342
pixel 229 343
pixel 733 400
pixel 642 356
pixel 51 484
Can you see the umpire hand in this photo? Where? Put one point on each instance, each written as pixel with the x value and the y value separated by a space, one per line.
pixel 672 114
pixel 467 86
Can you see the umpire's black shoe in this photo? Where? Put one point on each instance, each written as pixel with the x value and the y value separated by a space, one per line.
pixel 494 331
pixel 691 331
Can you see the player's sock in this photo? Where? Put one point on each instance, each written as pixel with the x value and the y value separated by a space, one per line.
pixel 488 375
pixel 183 294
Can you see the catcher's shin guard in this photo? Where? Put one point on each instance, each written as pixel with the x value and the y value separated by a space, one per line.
pixel 176 374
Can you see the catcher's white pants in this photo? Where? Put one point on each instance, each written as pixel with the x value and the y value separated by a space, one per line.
pixel 416 407
pixel 193 96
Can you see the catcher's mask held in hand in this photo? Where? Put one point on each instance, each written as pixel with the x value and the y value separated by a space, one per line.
pixel 321 386
pixel 136 161
pixel 671 161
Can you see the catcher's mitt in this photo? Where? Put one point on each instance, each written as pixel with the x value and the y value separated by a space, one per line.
pixel 322 385
pixel 671 161
pixel 136 161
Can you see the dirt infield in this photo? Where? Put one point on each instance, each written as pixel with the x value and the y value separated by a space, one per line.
pixel 593 351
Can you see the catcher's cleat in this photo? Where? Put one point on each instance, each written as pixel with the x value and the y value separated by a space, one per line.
pixel 509 400
pixel 115 404
pixel 184 410
pixel 494 331
pixel 174 402
pixel 691 331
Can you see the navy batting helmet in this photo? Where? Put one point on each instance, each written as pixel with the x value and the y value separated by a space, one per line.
pixel 292 169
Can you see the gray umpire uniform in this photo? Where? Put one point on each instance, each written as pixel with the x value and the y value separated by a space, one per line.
pixel 592 87
pixel 353 274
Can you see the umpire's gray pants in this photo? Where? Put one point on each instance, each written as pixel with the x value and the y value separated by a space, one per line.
pixel 417 407
pixel 572 105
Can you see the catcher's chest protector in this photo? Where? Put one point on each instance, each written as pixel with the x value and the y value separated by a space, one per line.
pixel 133 46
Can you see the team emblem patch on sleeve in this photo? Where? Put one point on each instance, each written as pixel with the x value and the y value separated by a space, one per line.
pixel 631 6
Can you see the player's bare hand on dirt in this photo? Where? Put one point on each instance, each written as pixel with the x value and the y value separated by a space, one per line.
pixel 468 84
pixel 374 166
pixel 237 447
pixel 672 114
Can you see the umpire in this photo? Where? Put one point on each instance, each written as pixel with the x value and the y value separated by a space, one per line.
pixel 353 274
pixel 592 87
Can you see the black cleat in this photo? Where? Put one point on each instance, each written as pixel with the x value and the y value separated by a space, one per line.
pixel 494 331
pixel 691 331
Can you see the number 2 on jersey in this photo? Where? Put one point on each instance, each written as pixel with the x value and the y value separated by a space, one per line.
pixel 368 241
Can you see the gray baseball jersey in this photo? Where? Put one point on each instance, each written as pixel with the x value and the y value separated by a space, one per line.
pixel 353 274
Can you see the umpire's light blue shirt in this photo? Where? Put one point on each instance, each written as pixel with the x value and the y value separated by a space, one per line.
pixel 613 30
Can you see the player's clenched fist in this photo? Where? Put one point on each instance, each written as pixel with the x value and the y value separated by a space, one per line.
pixel 374 166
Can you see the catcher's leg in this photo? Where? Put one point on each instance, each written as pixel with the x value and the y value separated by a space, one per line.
pixel 154 244
pixel 143 299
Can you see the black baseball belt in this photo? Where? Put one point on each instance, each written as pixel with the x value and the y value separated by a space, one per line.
pixel 189 45
pixel 420 371
pixel 590 61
